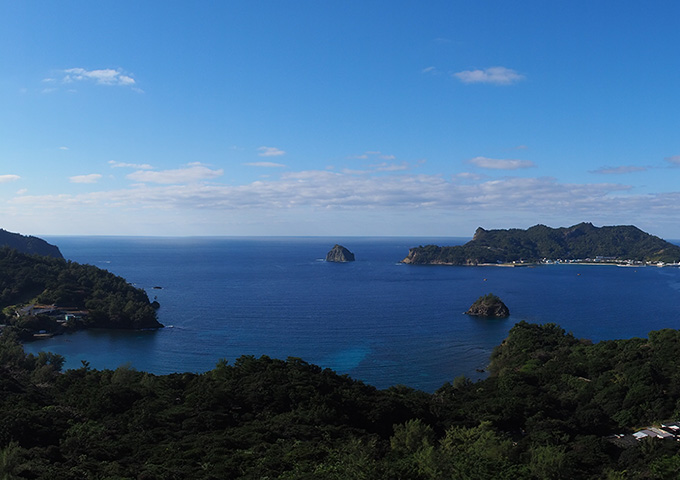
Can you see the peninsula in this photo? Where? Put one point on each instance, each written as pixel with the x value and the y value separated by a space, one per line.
pixel 542 244
pixel 44 295
pixel 28 244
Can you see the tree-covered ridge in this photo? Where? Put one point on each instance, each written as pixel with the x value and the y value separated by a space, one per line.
pixel 28 244
pixel 582 241
pixel 545 413
pixel 109 300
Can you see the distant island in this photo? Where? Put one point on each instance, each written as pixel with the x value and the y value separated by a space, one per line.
pixel 541 244
pixel 339 254
pixel 41 295
pixel 28 244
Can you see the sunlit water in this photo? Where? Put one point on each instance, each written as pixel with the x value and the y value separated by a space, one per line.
pixel 375 319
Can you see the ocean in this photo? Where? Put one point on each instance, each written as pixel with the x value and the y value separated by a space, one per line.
pixel 375 319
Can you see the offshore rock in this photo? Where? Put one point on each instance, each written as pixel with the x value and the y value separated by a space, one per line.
pixel 489 306
pixel 339 254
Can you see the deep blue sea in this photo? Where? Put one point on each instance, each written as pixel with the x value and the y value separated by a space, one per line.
pixel 375 319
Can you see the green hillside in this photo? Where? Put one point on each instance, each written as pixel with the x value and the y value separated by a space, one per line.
pixel 28 244
pixel 102 298
pixel 548 411
pixel 578 242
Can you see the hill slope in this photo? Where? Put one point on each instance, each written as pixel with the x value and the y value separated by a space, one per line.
pixel 110 301
pixel 28 244
pixel 546 412
pixel 538 242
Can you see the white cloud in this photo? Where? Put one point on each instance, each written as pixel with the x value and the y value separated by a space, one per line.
pixel 265 164
pixel 63 148
pixel 270 152
pixel 138 166
pixel 107 76
pixel 22 191
pixel 430 70
pixel 9 178
pixel 385 166
pixel 500 164
pixel 90 178
pixel 619 170
pixel 319 189
pixel 191 192
pixel 191 174
pixel 390 167
pixel 492 75
pixel 675 159
pixel 373 153
pixel 467 176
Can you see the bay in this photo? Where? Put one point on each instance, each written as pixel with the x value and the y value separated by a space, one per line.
pixel 375 319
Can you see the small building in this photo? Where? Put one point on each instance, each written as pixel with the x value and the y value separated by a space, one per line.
pixel 661 433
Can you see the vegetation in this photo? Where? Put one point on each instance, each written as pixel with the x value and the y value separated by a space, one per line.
pixel 539 242
pixel 110 301
pixel 28 244
pixel 544 412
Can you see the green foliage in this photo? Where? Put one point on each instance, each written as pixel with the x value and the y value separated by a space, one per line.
pixel 488 299
pixel 8 461
pixel 111 301
pixel 580 241
pixel 544 412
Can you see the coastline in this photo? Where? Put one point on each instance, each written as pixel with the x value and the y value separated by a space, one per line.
pixel 550 263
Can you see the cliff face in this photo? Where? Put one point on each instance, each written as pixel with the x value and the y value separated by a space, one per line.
pixel 29 245
pixel 339 254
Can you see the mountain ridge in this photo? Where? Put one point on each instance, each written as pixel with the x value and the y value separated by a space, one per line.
pixel 29 244
pixel 578 242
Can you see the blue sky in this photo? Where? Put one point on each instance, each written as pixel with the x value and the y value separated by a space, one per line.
pixel 337 118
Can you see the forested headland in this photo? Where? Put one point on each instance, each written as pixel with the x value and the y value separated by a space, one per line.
pixel 100 298
pixel 546 411
pixel 28 244
pixel 578 242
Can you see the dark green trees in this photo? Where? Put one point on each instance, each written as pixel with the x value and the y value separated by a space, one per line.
pixel 539 242
pixel 110 300
pixel 546 412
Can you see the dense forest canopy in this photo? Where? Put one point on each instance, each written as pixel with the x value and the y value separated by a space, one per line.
pixel 546 412
pixel 582 241
pixel 110 300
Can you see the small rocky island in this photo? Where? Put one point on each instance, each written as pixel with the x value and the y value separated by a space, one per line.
pixel 489 305
pixel 339 254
